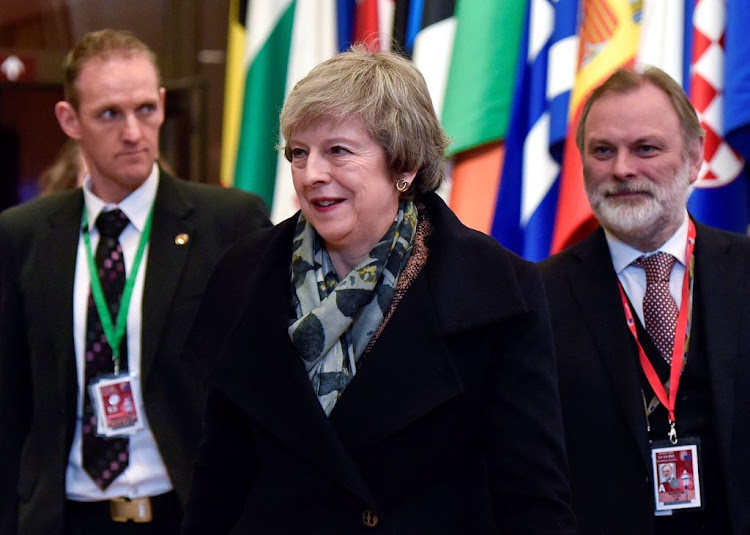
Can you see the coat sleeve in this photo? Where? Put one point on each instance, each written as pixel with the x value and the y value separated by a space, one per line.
pixel 528 468
pixel 15 386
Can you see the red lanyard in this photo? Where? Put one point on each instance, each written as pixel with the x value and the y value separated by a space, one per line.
pixel 668 399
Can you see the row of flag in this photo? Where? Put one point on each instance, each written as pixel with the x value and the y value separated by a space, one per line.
pixel 508 80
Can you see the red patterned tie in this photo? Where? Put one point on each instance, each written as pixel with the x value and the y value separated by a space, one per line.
pixel 104 458
pixel 659 308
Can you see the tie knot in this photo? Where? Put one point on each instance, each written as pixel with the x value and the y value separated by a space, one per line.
pixel 111 224
pixel 658 266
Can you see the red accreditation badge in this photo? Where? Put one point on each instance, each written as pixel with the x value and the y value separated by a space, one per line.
pixel 116 404
pixel 676 476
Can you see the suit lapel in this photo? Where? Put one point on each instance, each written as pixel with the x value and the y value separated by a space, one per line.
pixel 719 295
pixel 594 286
pixel 61 243
pixel 409 367
pixel 164 266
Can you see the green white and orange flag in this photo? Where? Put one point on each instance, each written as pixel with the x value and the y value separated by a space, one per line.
pixel 276 53
pixel 477 102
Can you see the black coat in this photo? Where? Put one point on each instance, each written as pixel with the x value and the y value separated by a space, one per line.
pixel 38 385
pixel 600 386
pixel 451 424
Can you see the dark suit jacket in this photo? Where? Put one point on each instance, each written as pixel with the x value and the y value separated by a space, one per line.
pixel 451 424
pixel 38 388
pixel 605 425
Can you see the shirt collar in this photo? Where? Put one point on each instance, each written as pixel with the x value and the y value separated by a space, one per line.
pixel 623 254
pixel 136 206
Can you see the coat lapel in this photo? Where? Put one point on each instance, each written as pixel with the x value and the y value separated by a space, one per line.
pixel 409 372
pixel 594 286
pixel 61 243
pixel 165 263
pixel 719 294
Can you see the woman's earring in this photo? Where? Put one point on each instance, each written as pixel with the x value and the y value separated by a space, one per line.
pixel 402 185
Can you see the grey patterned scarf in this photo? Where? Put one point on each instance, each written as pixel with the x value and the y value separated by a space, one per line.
pixel 336 319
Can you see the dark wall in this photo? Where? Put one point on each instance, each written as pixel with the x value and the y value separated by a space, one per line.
pixel 29 124
pixel 9 163
pixel 189 36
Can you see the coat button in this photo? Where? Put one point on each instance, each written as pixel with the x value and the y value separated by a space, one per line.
pixel 369 518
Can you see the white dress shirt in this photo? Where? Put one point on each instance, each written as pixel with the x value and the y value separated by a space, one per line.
pixel 146 474
pixel 633 279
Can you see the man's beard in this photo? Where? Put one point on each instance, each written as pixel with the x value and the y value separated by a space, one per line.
pixel 661 206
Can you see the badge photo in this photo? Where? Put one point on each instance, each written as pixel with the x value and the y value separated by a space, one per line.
pixel 116 405
pixel 676 477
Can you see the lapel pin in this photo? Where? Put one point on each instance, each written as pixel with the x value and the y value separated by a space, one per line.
pixel 181 239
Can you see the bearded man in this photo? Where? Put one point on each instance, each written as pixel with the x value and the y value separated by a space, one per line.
pixel 649 315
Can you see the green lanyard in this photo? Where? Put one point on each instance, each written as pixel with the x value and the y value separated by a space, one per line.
pixel 114 333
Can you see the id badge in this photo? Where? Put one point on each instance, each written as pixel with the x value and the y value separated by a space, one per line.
pixel 676 475
pixel 118 413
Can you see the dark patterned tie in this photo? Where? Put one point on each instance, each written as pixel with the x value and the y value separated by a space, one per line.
pixel 104 458
pixel 659 308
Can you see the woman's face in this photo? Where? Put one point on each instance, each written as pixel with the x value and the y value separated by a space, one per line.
pixel 345 187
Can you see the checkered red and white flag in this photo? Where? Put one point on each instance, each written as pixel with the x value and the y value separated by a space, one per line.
pixel 722 164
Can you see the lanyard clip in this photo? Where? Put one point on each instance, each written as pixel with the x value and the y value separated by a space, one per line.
pixel 672 433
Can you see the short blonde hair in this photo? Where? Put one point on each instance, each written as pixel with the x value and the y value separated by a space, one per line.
pixel 101 44
pixel 389 96
pixel 625 80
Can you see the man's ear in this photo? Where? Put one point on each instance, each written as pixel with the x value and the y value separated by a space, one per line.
pixel 163 101
pixel 68 119
pixel 695 158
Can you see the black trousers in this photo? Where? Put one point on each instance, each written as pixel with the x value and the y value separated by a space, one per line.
pixel 94 518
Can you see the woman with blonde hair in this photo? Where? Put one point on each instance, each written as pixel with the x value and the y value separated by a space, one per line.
pixel 376 364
